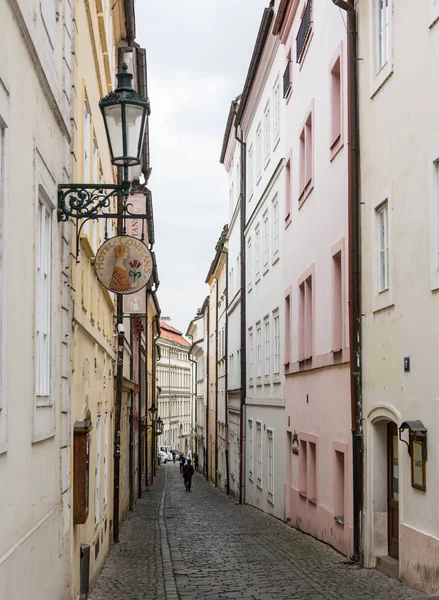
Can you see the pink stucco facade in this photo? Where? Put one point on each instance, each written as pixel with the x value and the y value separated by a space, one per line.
pixel 318 477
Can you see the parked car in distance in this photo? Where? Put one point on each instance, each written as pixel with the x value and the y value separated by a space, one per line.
pixel 163 456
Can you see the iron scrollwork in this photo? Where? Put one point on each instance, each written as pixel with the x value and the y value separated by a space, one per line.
pixel 83 201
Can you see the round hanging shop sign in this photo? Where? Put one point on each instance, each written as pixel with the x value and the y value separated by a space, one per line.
pixel 123 264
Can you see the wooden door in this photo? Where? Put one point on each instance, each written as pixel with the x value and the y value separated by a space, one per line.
pixel 393 490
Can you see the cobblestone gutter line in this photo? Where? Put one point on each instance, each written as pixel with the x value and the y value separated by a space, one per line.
pixel 168 572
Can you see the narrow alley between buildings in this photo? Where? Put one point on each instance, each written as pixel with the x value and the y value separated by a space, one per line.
pixel 179 545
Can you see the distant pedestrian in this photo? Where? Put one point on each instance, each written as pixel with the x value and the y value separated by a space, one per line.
pixel 196 461
pixel 173 456
pixel 188 471
pixel 182 461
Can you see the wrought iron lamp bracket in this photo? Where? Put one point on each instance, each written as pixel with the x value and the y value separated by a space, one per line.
pixel 83 201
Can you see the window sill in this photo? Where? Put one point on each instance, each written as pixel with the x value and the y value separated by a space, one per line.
pixel 258 278
pixel 276 142
pixel 259 484
pixel 289 94
pixel 3 447
pixel 250 196
pixel 339 520
pixel 335 148
pixel 267 162
pixel 380 78
pixel 275 258
pixel 270 498
pixel 313 501
pixel 383 300
pixel 250 478
pixel 43 436
pixel 306 46
pixel 302 495
pixel 266 269
pixel 305 193
pixel 258 178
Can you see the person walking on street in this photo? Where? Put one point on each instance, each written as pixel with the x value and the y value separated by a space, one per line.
pixel 188 471
pixel 182 461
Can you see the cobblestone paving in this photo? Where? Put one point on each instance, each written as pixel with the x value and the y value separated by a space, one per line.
pixel 202 545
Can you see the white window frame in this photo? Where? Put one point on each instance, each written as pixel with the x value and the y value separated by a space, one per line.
pixel 250 354
pixel 382 239
pixel 44 404
pixel 87 141
pixel 381 33
pixel 259 453
pixel 249 261
pixel 267 347
pixel 250 450
pixel 98 469
pixel 106 447
pixel 385 298
pixel 265 241
pixel 276 112
pixel 380 70
pixel 258 350
pixel 276 343
pixel 257 253
pixel 43 302
pixel 433 219
pixel 275 212
pixel 251 168
pixel 258 152
pixel 270 464
pixel 4 252
pixel 267 133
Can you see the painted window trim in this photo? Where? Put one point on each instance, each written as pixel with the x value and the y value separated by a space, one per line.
pixel 308 186
pixel 379 78
pixel 4 256
pixel 384 299
pixel 335 145
pixel 433 218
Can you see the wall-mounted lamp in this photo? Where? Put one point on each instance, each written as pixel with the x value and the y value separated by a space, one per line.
pixel 417 449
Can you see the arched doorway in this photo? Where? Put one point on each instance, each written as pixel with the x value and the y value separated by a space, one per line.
pixel 392 491
pixel 382 486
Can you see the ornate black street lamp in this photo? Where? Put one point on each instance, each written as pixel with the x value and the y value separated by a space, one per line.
pixel 124 112
pixel 159 427
pixel 152 412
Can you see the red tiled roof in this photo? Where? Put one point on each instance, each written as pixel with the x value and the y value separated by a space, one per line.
pixel 173 335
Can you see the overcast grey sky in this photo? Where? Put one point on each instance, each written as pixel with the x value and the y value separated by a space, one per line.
pixel 198 55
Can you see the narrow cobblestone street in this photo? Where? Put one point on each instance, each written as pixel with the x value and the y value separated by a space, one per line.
pixel 178 545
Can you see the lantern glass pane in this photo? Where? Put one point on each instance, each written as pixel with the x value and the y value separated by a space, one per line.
pixel 113 117
pixel 134 116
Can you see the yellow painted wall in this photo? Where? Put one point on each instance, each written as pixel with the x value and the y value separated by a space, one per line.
pixel 93 352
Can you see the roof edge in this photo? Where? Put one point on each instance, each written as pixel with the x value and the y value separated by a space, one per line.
pixel 263 32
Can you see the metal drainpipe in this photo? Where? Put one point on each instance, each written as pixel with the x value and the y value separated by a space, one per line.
pixel 216 384
pixel 131 421
pixel 194 394
pixel 240 140
pixel 139 426
pixel 354 278
pixel 154 395
pixel 146 393
pixel 206 446
pixel 119 380
pixel 226 351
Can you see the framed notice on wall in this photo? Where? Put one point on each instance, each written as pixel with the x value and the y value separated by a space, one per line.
pixel 418 465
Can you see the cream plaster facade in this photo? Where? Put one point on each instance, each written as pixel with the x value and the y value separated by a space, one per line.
pixel 262 124
pixel 174 378
pixel 35 308
pixel 99 29
pixel 399 149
